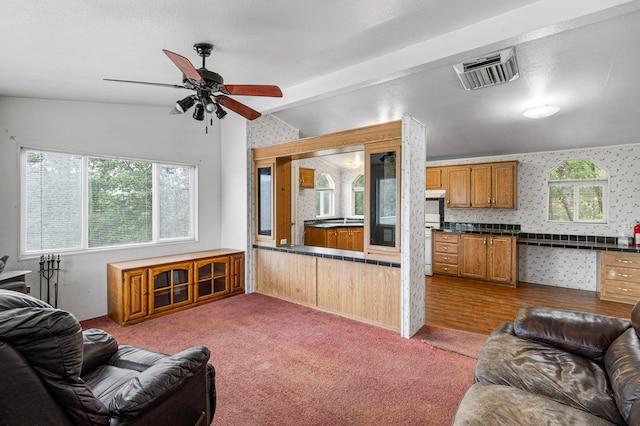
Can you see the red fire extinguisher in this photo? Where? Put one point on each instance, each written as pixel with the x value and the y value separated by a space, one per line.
pixel 636 235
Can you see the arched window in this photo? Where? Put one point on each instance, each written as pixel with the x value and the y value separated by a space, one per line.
pixel 324 195
pixel 357 196
pixel 578 192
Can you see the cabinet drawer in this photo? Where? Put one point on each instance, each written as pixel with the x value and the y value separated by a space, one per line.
pixel 446 258
pixel 440 268
pixel 446 237
pixel 624 260
pixel 621 290
pixel 622 274
pixel 445 248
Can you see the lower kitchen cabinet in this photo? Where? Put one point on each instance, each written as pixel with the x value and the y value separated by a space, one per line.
pixel 342 237
pixel 142 289
pixel 619 279
pixel 476 256
pixel 489 258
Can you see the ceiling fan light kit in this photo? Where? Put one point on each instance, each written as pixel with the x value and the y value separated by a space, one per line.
pixel 211 92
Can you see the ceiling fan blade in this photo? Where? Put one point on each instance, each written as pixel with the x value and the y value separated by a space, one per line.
pixel 253 90
pixel 184 65
pixel 233 105
pixel 175 86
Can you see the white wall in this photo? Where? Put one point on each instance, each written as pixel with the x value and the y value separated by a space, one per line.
pixel 233 202
pixel 140 132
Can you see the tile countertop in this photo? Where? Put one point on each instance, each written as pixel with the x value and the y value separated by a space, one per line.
pixel 335 223
pixel 582 242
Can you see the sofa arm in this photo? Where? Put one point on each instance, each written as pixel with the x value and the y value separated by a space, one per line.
pixel 155 384
pixel 98 347
pixel 585 334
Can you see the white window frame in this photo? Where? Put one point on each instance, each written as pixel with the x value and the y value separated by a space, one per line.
pixel 355 190
pixel 577 183
pixel 84 245
pixel 331 192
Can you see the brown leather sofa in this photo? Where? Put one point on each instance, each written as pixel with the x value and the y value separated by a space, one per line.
pixel 557 367
pixel 54 373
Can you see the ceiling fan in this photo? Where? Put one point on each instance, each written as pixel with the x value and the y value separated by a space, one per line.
pixel 211 94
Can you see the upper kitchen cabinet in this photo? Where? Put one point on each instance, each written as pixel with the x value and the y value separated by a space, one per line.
pixel 458 187
pixel 483 186
pixel 307 178
pixel 434 178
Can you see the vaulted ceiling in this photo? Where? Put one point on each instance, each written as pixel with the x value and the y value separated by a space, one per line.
pixel 346 64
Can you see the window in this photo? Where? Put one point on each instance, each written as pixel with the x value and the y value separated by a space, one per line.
pixel 577 192
pixel 73 202
pixel 357 195
pixel 324 195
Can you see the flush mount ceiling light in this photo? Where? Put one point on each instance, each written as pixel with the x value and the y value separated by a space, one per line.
pixel 541 111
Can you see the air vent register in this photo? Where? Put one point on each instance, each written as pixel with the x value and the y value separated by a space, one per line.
pixel 495 68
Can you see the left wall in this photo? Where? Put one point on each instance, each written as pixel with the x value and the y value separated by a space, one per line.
pixel 140 132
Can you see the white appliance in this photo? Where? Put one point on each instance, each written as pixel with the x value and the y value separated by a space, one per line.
pixel 431 222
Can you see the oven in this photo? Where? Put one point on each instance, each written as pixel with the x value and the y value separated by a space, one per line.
pixel 431 222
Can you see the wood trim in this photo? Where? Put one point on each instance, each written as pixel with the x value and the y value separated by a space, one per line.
pixel 391 254
pixel 264 239
pixel 332 143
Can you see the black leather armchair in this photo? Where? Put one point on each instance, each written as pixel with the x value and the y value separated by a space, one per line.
pixel 53 373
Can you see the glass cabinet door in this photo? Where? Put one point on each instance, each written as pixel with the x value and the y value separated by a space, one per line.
pixel 171 286
pixel 212 278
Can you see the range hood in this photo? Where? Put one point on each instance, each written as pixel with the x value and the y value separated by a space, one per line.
pixel 434 193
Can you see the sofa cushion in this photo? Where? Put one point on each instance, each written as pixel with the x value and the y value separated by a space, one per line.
pixel 98 347
pixel 496 405
pixel 622 363
pixel 585 334
pixel 537 368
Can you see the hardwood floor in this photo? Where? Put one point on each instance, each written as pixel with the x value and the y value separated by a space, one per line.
pixel 479 307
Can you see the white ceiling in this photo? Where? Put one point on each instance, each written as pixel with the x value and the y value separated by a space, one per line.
pixel 345 64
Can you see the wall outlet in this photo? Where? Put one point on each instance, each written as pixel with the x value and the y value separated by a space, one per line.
pixel 283 241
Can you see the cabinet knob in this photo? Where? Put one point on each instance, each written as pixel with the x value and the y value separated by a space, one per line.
pixel 444 268
pixel 494 200
pixel 489 200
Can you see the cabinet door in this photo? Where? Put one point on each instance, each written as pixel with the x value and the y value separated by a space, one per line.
pixel 504 186
pixel 211 278
pixel 332 238
pixel 481 187
pixel 171 286
pixel 501 255
pixel 357 239
pixel 474 256
pixel 135 294
pixel 315 236
pixel 434 178
pixel 343 238
pixel 306 178
pixel 237 272
pixel 459 187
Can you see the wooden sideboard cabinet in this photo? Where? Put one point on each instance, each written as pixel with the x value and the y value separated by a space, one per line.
pixel 619 279
pixel 143 289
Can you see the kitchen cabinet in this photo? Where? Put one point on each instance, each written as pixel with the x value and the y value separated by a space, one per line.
pixel 342 237
pixel 458 187
pixel 619 279
pixel 143 289
pixel 445 253
pixel 306 178
pixel 434 178
pixel 350 239
pixel 494 185
pixel 482 186
pixel 489 258
pixel 315 236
